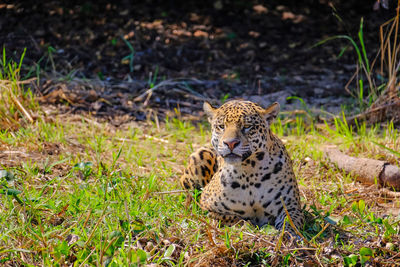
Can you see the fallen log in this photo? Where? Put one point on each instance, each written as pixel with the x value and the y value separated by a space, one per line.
pixel 367 171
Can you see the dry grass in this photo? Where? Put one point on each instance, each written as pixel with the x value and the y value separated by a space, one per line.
pixel 93 193
pixel 78 190
pixel 16 101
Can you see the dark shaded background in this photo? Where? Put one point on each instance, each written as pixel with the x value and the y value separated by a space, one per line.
pixel 228 41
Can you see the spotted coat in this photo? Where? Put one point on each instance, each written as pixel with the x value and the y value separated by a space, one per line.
pixel 247 173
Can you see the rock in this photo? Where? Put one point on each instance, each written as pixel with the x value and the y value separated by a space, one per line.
pixel 266 100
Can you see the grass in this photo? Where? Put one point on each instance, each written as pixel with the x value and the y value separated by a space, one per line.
pixel 16 102
pixel 370 87
pixel 77 191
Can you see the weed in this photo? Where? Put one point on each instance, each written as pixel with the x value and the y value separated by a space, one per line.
pixel 380 90
pixel 153 78
pixel 16 102
pixel 363 64
pixel 111 196
pixel 131 56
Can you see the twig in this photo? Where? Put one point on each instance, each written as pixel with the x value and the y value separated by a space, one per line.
pixel 292 224
pixel 156 138
pixel 364 115
pixel 18 104
pixel 320 232
pixel 90 254
pixel 170 192
pixel 390 193
pixel 264 240
pixel 173 82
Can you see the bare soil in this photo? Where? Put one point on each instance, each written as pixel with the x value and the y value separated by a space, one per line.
pixel 231 49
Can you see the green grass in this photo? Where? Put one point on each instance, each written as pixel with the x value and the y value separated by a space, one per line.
pixel 369 86
pixel 17 103
pixel 77 191
pixel 84 192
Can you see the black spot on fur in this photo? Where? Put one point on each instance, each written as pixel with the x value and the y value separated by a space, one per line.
pixel 266 177
pixel 266 204
pixel 277 167
pixel 280 210
pixel 201 154
pixel 278 195
pixel 253 163
pixel 186 185
pixel 241 212
pixel 225 207
pixel 246 155
pixel 235 185
pixel 260 155
pixel 257 185
pixel 204 169
pixel 289 189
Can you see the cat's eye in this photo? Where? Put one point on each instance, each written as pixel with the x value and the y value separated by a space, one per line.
pixel 247 128
pixel 220 126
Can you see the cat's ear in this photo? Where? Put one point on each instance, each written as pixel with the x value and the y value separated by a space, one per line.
pixel 271 112
pixel 209 110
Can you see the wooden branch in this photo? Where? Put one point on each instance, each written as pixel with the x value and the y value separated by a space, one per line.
pixel 367 171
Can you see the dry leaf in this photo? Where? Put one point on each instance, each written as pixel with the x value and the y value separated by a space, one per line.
pixel 260 9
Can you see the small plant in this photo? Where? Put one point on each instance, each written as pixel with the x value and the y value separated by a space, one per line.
pixel 84 168
pixel 153 78
pixel 364 98
pixel 131 56
pixel 374 89
pixel 224 98
pixel 16 102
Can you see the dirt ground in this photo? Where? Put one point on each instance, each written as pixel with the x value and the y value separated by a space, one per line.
pixel 209 49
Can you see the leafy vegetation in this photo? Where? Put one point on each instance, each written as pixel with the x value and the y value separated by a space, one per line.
pixel 76 190
pixel 81 191
pixel 16 102
pixel 370 86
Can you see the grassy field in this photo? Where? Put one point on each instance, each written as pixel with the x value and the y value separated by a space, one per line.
pixel 77 190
